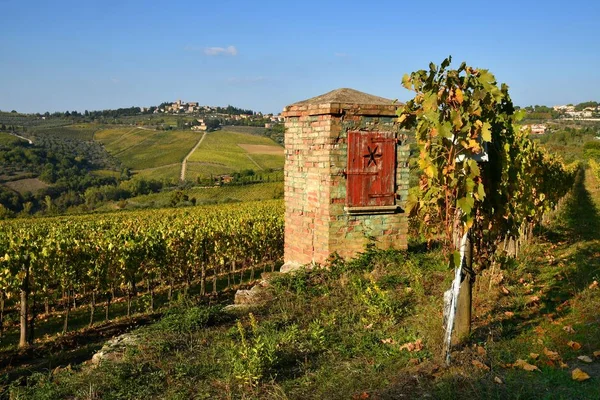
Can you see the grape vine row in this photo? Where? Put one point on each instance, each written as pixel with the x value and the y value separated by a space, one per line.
pixel 55 258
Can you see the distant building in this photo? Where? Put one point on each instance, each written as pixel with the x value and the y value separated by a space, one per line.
pixel 536 129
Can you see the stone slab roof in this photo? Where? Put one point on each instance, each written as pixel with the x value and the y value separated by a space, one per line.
pixel 343 99
pixel 347 96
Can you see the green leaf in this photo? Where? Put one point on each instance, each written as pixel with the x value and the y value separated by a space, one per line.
pixel 445 130
pixel 474 168
pixel 480 192
pixel 431 102
pixel 456 258
pixel 466 204
pixel 446 62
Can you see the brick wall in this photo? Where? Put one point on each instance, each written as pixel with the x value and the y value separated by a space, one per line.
pixel 316 221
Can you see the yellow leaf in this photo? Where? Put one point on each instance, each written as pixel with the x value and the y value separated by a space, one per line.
pixel 430 171
pixel 594 285
pixel 597 353
pixel 417 345
pixel 480 365
pixel 406 82
pixel 525 365
pixel 458 95
pixel 552 355
pixel 481 351
pixel 568 329
pixel 579 376
pixel 498 380
pixel 574 345
pixel 585 359
pixel 533 356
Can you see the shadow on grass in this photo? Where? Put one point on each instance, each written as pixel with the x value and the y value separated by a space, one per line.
pixel 580 220
pixel 564 266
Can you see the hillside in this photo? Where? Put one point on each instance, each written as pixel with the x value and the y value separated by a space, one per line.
pixel 224 152
pixel 110 155
pixel 371 328
pixel 159 154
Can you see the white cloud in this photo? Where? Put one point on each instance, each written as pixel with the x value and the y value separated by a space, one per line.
pixel 217 51
pixel 114 80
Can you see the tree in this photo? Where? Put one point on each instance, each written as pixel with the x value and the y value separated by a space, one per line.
pixel 212 124
pixel 483 179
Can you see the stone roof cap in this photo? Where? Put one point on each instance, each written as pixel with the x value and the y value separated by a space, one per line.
pixel 343 99
pixel 346 95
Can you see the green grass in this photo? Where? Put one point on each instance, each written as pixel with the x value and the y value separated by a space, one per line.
pixel 219 153
pixel 162 148
pixel 337 333
pixel 203 170
pixel 128 139
pixel 170 173
pixel 141 149
pixel 268 161
pixel 107 136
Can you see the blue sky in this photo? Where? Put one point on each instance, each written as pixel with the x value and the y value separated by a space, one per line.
pixel 77 55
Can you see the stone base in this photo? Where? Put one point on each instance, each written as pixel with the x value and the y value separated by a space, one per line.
pixel 292 266
pixel 114 349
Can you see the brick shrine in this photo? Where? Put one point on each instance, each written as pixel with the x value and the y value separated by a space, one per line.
pixel 346 177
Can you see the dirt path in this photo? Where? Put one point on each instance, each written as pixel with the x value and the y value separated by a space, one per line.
pixel 21 137
pixel 255 163
pixel 185 160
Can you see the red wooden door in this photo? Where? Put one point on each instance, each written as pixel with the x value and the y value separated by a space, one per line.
pixel 371 169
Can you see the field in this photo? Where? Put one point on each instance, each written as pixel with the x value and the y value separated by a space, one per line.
pixel 168 172
pixel 141 149
pixel 79 131
pixel 221 194
pixel 16 119
pixel 27 185
pixel 228 152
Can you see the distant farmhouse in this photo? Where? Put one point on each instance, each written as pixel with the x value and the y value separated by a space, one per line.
pixel 536 129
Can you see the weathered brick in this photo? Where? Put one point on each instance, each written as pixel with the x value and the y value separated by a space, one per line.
pixel 315 186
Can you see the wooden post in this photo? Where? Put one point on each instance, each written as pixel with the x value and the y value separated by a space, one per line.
pixel 462 322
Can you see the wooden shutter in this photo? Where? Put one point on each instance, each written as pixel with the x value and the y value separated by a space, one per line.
pixel 371 169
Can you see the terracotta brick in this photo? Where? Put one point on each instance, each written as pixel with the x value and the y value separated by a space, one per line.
pixel 315 187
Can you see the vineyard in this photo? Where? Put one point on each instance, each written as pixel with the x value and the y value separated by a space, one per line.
pixel 57 260
pixel 378 326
